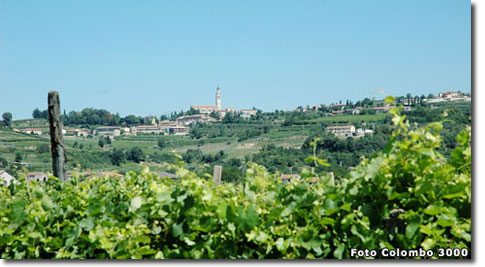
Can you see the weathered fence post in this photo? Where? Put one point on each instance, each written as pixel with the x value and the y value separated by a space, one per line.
pixel 217 174
pixel 57 142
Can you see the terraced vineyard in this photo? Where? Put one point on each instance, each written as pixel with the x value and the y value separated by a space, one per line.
pixel 352 119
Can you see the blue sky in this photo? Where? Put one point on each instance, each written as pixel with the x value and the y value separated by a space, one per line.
pixel 153 57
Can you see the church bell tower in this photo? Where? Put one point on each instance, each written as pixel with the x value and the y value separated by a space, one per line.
pixel 218 98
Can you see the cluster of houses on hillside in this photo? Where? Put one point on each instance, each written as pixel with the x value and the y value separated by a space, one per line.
pixel 163 127
pixel 448 97
pixel 381 107
pixel 6 179
pixel 343 109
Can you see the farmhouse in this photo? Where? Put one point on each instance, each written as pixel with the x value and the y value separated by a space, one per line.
pixel 108 130
pixel 381 109
pixel 179 130
pixel 289 177
pixel 77 132
pixel 37 176
pixel 36 131
pixel 247 113
pixel 341 131
pixel 148 129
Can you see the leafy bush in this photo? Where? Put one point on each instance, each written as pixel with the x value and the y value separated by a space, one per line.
pixel 408 196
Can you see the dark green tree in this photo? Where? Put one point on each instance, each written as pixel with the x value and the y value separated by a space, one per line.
pixel 7 118
pixel 231 174
pixel 101 142
pixel 229 118
pixel 36 114
pixel 195 133
pixel 3 162
pixel 43 148
pixel 214 115
pixel 161 143
pixel 18 157
pixel 117 157
pixel 135 154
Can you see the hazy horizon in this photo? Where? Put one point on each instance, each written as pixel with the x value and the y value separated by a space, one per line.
pixel 156 57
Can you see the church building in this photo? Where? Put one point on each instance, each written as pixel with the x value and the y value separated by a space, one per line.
pixel 207 109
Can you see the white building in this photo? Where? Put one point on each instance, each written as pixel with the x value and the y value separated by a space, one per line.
pixel 6 179
pixel 247 113
pixel 223 112
pixel 341 131
pixel 37 176
pixel 450 95
pixel 36 131
pixel 362 132
pixel 108 130
pixel 179 130
pixel 196 118
pixel 148 129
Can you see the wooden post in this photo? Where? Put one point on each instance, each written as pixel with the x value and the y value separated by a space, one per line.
pixel 217 174
pixel 57 142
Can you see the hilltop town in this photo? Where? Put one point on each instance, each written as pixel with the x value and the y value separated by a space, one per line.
pixel 215 113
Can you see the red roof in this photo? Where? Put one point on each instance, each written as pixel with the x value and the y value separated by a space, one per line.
pixel 290 176
pixel 202 106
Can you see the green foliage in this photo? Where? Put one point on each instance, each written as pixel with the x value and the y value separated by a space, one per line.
pixel 232 174
pixel 101 142
pixel 136 154
pixel 161 143
pixel 43 148
pixel 7 119
pixel 407 196
pixel 117 156
pixel 3 162
pixel 18 157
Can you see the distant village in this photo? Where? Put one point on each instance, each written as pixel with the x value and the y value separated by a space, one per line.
pixel 209 113
pixel 181 126
pixel 213 113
